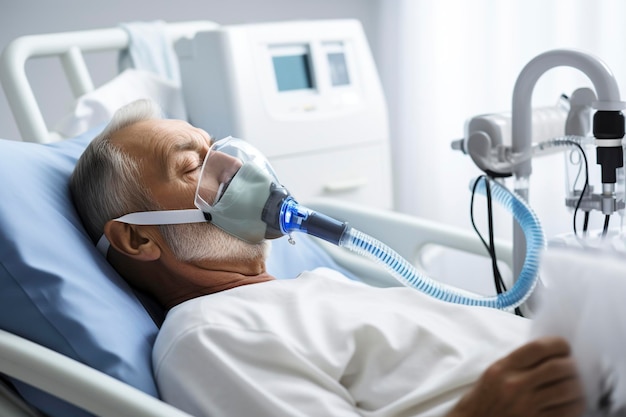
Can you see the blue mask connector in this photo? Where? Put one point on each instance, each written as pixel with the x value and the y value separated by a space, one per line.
pixel 283 215
pixel 295 217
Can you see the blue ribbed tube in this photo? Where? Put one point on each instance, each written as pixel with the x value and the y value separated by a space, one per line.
pixel 408 275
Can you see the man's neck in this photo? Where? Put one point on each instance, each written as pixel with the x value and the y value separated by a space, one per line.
pixel 219 281
pixel 172 282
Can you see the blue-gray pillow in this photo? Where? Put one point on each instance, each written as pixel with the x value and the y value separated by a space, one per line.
pixel 55 288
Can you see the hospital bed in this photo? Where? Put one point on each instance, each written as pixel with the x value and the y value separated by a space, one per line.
pixel 57 291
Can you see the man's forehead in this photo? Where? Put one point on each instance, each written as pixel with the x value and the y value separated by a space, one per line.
pixel 155 144
pixel 163 135
pixel 144 132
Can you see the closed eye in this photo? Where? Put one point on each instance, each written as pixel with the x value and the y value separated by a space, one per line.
pixel 193 170
pixel 190 166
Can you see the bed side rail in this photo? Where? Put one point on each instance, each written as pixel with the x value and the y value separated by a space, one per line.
pixel 76 383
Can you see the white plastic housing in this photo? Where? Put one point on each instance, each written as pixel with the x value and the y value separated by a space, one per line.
pixel 306 93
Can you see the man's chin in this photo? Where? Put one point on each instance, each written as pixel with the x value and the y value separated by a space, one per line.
pixel 236 253
pixel 204 243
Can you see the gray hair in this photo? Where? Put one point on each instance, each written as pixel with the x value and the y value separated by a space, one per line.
pixel 104 184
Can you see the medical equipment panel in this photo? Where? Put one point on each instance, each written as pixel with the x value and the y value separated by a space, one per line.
pixel 299 91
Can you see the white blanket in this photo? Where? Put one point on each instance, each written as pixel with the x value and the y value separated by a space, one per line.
pixel 98 106
pixel 323 345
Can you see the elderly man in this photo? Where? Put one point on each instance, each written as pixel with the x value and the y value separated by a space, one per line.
pixel 237 342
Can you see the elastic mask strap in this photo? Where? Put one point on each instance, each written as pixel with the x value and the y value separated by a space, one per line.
pixel 154 218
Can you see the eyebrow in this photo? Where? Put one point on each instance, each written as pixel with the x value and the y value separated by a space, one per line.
pixel 187 145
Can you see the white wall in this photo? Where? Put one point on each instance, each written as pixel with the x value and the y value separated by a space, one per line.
pixel 26 17
pixel 449 60
pixel 441 62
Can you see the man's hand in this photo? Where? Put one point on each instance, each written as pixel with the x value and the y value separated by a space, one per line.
pixel 537 379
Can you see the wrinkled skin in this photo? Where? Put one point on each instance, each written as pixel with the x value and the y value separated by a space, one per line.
pixel 538 379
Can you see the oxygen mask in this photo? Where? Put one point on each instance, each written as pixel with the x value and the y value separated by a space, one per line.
pixel 236 187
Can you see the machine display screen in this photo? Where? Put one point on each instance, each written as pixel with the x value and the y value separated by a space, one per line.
pixel 292 72
pixel 338 69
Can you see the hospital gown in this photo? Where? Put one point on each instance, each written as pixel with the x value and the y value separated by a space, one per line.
pixel 322 345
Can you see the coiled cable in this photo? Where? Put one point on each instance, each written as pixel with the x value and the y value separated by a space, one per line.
pixel 408 275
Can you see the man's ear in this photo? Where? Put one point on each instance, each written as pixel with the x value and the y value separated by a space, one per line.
pixel 132 241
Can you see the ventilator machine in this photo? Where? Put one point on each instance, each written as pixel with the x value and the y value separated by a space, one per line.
pixel 588 126
pixel 306 93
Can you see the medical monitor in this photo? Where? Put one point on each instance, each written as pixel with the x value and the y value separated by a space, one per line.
pixel 295 89
pixel 292 67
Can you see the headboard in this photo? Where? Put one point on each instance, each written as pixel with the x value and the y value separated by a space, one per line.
pixel 70 47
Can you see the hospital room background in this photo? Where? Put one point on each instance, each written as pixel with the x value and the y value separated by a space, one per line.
pixel 440 62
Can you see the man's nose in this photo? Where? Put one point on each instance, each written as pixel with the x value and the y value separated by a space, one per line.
pixel 226 166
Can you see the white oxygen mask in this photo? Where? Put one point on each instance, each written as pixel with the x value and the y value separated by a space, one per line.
pixel 236 188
